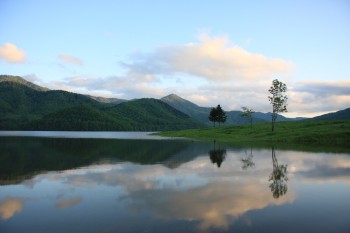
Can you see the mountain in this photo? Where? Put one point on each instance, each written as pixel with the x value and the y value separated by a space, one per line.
pixel 191 109
pixel 153 114
pixel 22 81
pixel 26 106
pixel 339 115
pixel 22 102
pixel 201 113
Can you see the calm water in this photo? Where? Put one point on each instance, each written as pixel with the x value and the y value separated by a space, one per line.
pixel 131 185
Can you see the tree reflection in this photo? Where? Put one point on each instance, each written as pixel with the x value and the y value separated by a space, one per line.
pixel 278 177
pixel 248 160
pixel 217 155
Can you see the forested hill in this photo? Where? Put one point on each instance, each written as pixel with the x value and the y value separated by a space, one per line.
pixel 339 115
pixel 26 106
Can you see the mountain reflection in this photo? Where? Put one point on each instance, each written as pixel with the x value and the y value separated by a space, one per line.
pixel 217 155
pixel 278 177
pixel 21 158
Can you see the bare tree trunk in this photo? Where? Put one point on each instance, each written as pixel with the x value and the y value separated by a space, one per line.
pixel 274 117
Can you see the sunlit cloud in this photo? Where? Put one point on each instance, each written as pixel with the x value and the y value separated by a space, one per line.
pixel 69 59
pixel 213 58
pixel 225 201
pixel 9 207
pixel 11 54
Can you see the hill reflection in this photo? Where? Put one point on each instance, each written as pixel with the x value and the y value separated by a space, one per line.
pixel 21 158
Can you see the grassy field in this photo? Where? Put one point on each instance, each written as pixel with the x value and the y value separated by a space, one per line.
pixel 323 135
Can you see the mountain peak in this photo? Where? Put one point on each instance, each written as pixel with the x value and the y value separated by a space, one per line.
pixel 22 81
pixel 172 96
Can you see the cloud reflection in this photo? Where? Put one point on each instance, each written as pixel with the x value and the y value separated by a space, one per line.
pixel 66 203
pixel 9 207
pixel 189 193
pixel 213 205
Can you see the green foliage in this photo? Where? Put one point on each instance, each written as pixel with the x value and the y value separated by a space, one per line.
pixel 248 113
pixel 79 118
pixel 217 115
pixel 277 99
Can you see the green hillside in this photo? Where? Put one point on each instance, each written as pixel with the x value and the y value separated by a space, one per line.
pixel 335 134
pixel 21 104
pixel 80 118
pixel 152 114
pixel 28 107
pixel 339 115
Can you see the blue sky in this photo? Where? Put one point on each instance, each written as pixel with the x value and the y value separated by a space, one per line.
pixel 209 52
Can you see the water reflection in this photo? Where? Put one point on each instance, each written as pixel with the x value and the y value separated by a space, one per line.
pixel 278 177
pixel 247 161
pixel 66 203
pixel 217 155
pixel 9 207
pixel 22 158
pixel 105 186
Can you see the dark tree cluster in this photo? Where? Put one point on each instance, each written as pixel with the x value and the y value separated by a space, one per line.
pixel 217 115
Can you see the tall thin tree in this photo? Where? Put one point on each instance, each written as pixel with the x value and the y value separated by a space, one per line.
pixel 277 99
pixel 248 113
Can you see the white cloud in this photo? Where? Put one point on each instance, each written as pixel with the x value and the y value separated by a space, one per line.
pixel 319 97
pixel 69 59
pixel 212 59
pixel 10 53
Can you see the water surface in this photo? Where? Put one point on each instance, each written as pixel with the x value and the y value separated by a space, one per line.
pixel 82 134
pixel 111 185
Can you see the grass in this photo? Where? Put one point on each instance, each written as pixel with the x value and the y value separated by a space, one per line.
pixel 304 135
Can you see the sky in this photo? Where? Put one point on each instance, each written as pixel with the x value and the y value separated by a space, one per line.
pixel 209 52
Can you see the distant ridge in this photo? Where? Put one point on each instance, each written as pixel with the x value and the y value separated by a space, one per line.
pixel 339 115
pixel 107 100
pixel 22 81
pixel 202 113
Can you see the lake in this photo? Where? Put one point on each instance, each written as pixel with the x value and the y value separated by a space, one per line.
pixel 131 183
